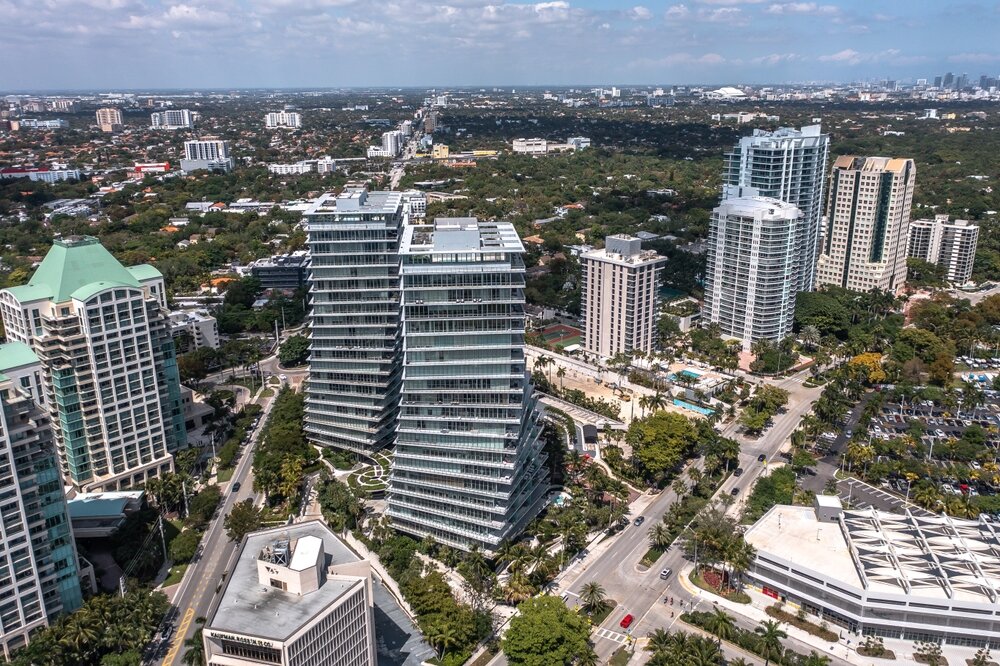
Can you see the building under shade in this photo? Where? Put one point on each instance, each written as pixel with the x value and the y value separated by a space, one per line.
pixel 909 576
pixel 468 469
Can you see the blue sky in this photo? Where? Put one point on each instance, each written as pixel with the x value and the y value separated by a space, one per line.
pixel 51 44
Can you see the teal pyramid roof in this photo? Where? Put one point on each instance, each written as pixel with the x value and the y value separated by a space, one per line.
pixel 77 262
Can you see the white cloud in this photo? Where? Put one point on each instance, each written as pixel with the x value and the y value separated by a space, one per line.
pixel 732 2
pixel 804 8
pixel 679 59
pixel 888 56
pixel 639 13
pixel 722 15
pixel 677 11
pixel 975 57
pixel 775 59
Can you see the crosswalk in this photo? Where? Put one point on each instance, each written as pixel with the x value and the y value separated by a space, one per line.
pixel 611 635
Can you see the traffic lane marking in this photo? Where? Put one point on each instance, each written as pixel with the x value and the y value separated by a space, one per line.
pixel 179 637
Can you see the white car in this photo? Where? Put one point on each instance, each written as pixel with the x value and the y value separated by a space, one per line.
pixel 283 378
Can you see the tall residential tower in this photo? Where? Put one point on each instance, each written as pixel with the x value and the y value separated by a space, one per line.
pixel 868 217
pixel 949 244
pixel 353 388
pixel 102 335
pixel 468 469
pixel 789 165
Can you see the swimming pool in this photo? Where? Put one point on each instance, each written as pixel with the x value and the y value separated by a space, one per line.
pixel 704 411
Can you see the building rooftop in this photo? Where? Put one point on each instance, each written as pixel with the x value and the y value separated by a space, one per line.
pixel 450 235
pixel 897 164
pixel 77 267
pixel 16 355
pixel 933 557
pixel 100 505
pixel 356 201
pixel 624 250
pixel 750 206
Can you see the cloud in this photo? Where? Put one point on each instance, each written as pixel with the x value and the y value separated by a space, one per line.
pixel 722 15
pixel 975 57
pixel 679 59
pixel 639 13
pixel 803 8
pixel 888 56
pixel 775 59
pixel 677 11
pixel 732 2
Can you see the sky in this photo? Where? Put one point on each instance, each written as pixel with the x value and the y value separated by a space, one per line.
pixel 121 44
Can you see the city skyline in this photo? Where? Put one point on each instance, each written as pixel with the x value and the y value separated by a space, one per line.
pixel 194 44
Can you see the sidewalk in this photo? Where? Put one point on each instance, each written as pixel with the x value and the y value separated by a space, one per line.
pixel 384 577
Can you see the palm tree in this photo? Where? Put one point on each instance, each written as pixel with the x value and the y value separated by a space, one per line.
pixel 770 633
pixel 518 588
pixel 543 362
pixel 560 373
pixel 644 403
pixel 659 536
pixel 80 635
pixel 657 401
pixel 593 597
pixel 658 640
pixel 926 496
pixel 194 647
pixel 815 659
pixel 443 636
pixel 810 336
pixel 721 624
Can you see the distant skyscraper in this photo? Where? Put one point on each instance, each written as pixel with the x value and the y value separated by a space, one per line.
pixel 951 245
pixel 208 153
pixel 868 217
pixel 109 119
pixel 788 165
pixel 752 255
pixel 353 390
pixel 172 119
pixel 39 571
pixel 468 469
pixel 620 297
pixel 286 119
pixel 102 335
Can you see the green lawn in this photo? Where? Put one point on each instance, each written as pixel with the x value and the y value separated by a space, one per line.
pixel 225 474
pixel 620 657
pixel 600 616
pixel 176 575
pixel 267 393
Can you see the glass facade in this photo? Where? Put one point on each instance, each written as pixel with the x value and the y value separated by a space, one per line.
pixel 468 468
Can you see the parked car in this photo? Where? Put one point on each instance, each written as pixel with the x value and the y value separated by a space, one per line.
pixel 665 574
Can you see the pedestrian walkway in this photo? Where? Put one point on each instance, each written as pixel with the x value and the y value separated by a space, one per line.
pixel 611 635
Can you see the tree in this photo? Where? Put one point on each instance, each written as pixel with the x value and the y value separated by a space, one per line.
pixel 721 624
pixel 442 636
pixel 929 652
pixel 660 442
pixel 243 292
pixel 294 351
pixel 194 652
pixel 770 633
pixel 560 373
pixel 185 545
pixel 659 536
pixel 593 597
pixel 243 519
pixel 546 633
pixel 981 658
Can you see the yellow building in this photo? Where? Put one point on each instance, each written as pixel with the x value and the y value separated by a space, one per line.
pixel 439 151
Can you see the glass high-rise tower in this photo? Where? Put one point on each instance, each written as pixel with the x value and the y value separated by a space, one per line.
pixel 789 165
pixel 468 468
pixel 353 387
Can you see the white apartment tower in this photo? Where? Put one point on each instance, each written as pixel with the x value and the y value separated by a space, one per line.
pixel 752 256
pixel 39 576
pixel 208 153
pixel 789 165
pixel 109 119
pixel 353 390
pixel 949 244
pixel 468 469
pixel 620 297
pixel 103 338
pixel 172 119
pixel 868 217
pixel 283 119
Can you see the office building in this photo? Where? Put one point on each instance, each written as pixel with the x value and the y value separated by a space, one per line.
pixel 295 597
pixel 172 119
pixel 789 165
pixel 950 245
pixel 34 123
pixel 207 153
pixel 391 146
pixel 578 142
pixel 415 203
pixel 752 245
pixel 902 576
pixel 193 329
pixel 292 169
pixel 43 175
pixel 619 297
pixel 283 119
pixel 353 387
pixel 530 146
pixel 103 338
pixel 286 272
pixel 868 216
pixel 39 570
pixel 468 469
pixel 109 119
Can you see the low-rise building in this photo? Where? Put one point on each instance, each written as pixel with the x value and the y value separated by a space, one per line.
pixel 193 329
pixel 282 271
pixel 99 515
pixel 531 146
pixel 40 174
pixel 912 576
pixel 295 597
pixel 283 119
pixel 35 123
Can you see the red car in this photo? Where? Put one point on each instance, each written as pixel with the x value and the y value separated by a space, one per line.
pixel 626 621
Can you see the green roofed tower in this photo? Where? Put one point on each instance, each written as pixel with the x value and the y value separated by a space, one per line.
pixel 109 369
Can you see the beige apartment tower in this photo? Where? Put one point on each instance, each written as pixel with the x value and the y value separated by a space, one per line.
pixel 620 297
pixel 951 244
pixel 868 217
pixel 109 119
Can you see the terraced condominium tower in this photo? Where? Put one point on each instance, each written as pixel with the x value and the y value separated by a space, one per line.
pixel 102 334
pixel 789 165
pixel 353 390
pixel 39 574
pixel 468 469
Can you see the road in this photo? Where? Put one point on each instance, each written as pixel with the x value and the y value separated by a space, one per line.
pixel 204 575
pixel 641 593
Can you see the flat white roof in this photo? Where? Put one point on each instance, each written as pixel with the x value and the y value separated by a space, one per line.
pixel 830 501
pixel 306 553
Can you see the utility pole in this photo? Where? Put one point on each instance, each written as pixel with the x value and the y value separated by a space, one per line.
pixel 163 539
pixel 187 512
